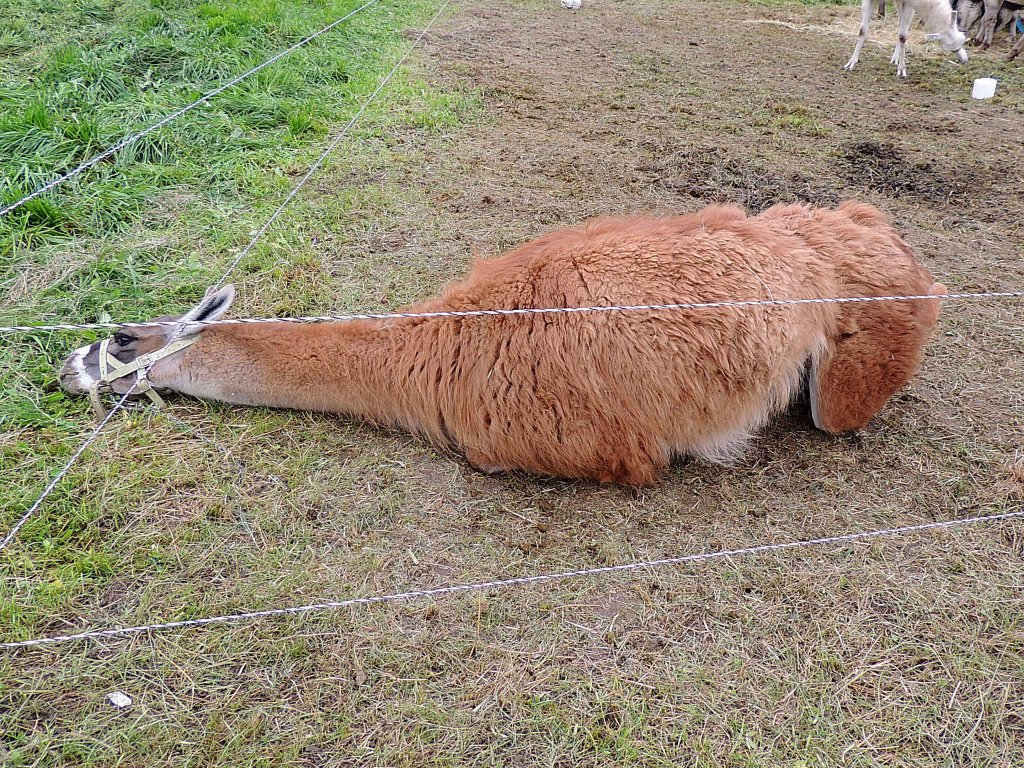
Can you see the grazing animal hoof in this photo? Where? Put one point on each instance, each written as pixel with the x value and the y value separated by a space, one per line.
pixel 962 56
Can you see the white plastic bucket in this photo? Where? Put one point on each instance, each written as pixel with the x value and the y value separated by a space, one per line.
pixel 984 88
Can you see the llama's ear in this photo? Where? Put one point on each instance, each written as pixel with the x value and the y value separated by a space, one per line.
pixel 213 306
pixel 876 348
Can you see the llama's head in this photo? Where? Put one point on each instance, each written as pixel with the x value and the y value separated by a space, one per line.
pixel 85 367
pixel 949 37
pixel 875 348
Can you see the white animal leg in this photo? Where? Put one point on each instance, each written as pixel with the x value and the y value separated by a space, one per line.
pixel 906 14
pixel 865 23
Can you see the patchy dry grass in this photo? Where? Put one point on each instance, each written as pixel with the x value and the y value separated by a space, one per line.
pixel 900 652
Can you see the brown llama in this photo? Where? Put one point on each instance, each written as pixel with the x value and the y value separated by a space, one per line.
pixel 610 395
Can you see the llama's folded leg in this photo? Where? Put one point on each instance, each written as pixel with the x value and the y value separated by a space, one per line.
pixel 482 463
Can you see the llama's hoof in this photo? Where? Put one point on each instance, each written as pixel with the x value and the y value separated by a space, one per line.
pixel 962 56
pixel 850 65
pixel 488 469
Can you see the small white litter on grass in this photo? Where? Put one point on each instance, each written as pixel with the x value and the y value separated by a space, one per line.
pixel 119 700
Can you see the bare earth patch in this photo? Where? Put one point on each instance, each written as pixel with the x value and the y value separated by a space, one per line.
pixel 899 652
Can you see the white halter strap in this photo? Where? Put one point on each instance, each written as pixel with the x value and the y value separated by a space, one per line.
pixel 112 369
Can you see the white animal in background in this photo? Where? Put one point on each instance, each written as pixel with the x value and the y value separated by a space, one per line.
pixel 940 25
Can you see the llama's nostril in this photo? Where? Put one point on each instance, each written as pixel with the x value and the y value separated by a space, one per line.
pixel 72 376
pixel 66 378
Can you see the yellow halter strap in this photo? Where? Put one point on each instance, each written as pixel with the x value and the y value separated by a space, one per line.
pixel 112 369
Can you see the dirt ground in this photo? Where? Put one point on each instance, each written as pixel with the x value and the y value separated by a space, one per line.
pixel 889 654
pixel 900 652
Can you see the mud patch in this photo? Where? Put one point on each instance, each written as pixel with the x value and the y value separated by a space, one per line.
pixel 881 167
pixel 713 175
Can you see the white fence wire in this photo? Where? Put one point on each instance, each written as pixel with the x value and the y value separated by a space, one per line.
pixel 14 329
pixel 513 582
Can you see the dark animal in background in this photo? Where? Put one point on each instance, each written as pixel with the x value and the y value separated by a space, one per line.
pixel 988 15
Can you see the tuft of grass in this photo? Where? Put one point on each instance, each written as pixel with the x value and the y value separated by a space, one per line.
pixel 147 231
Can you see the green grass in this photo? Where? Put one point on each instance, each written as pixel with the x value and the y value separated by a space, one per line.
pixel 80 76
pixel 145 233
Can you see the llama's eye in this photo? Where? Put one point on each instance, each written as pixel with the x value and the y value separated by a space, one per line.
pixel 123 339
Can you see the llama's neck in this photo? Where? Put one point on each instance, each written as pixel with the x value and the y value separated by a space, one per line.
pixel 366 369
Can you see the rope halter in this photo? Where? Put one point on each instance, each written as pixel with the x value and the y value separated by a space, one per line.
pixel 112 369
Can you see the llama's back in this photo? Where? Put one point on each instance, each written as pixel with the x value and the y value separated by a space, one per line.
pixel 622 391
pixel 861 244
